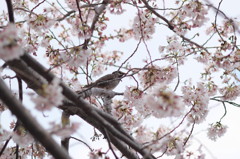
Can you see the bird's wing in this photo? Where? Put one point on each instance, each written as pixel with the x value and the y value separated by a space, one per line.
pixel 103 80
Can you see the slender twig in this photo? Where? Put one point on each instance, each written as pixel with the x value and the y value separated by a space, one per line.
pixel 4 146
pixel 82 142
pixel 36 7
pixel 225 112
pixel 191 131
pixel 134 52
pixel 109 143
pixel 158 15
pixel 226 101
pixel 215 21
pixel 178 77
pixel 172 129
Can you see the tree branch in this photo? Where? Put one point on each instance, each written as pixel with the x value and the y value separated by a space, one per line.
pixel 16 107
pixel 98 11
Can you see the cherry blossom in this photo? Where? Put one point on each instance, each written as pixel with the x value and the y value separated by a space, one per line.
pixel 191 15
pixel 174 49
pixel 169 145
pixel 65 131
pixel 230 92
pixel 126 115
pixel 155 74
pixel 116 7
pixel 72 4
pixel 143 134
pixel 97 154
pixel 51 96
pixel 198 98
pixel 40 22
pixel 216 130
pixel 164 102
pixel 76 57
pixel 9 47
pixel 23 140
pixel 144 25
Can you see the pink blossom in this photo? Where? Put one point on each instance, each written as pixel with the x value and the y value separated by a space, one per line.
pixel 125 114
pixel 173 49
pixel 22 140
pixel 230 92
pixel 135 98
pixel 76 57
pixel 195 11
pixel 98 69
pixel 216 130
pixel 170 145
pixel 144 25
pixel 212 88
pixel 143 134
pixel 116 7
pixel 40 22
pixel 204 57
pixel 164 102
pixel 65 131
pixel 51 96
pixel 97 154
pixel 72 4
pixel 9 47
pixel 80 29
pixel 155 74
pixel 133 95
pixel 125 34
pixel 198 98
pixel 174 44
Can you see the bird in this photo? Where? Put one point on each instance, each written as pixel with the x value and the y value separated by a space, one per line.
pixel 108 82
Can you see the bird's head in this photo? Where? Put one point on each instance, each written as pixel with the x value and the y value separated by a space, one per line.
pixel 118 74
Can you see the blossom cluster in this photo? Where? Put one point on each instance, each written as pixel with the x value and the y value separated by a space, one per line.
pixel 216 130
pixel 155 74
pixel 126 115
pixel 174 50
pixel 163 102
pixel 76 57
pixel 9 47
pixel 227 62
pixel 159 101
pixel 116 7
pixel 51 96
pixel 134 96
pixel 198 98
pixel 63 131
pixel 191 15
pixel 144 25
pixel 154 140
pixel 230 92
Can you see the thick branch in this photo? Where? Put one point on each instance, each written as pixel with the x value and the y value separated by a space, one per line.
pixel 98 12
pixel 30 123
